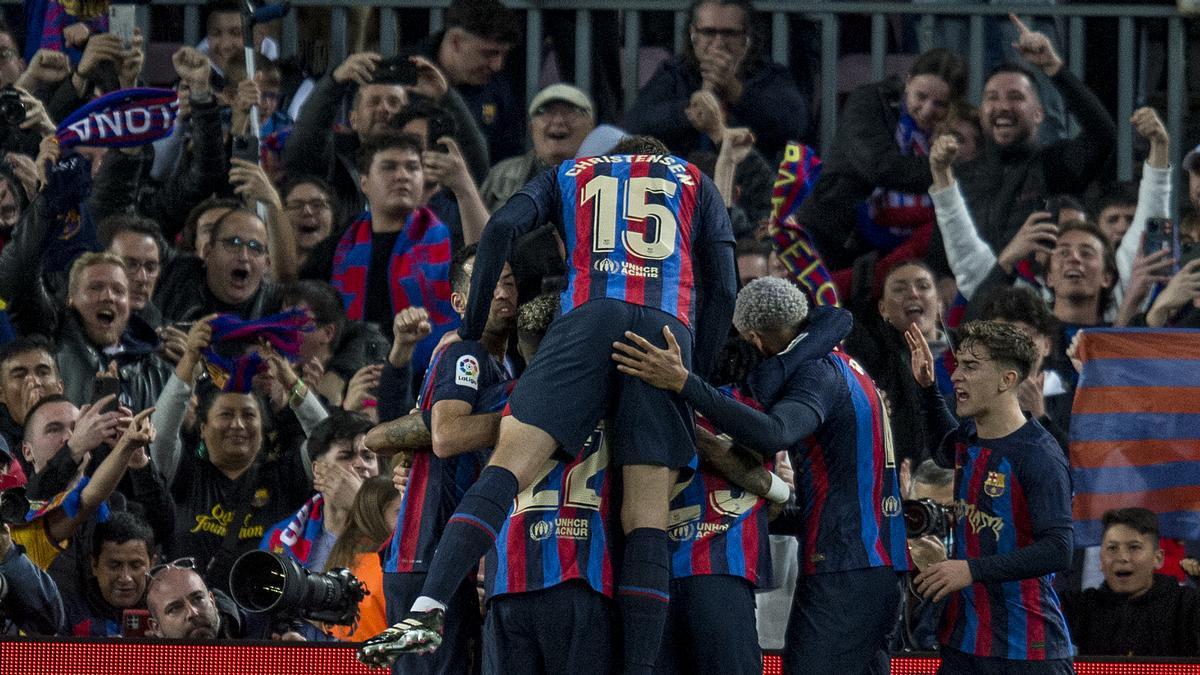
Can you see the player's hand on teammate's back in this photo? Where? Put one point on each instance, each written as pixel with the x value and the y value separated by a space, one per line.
pixel 661 368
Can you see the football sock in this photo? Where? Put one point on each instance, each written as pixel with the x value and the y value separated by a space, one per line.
pixel 470 532
pixel 643 596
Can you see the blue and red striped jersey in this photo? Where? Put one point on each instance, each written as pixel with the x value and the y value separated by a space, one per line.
pixel 1008 491
pixel 846 474
pixel 460 371
pixel 558 529
pixel 631 225
pixel 715 527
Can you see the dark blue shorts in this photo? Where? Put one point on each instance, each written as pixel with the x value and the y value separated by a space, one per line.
pixel 711 628
pixel 955 662
pixel 573 383
pixel 562 629
pixel 840 622
pixel 460 640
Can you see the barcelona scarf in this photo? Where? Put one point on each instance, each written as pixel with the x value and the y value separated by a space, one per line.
pixel 122 119
pixel 297 534
pixel 888 217
pixel 1135 429
pixel 798 173
pixel 68 500
pixel 236 373
pixel 418 273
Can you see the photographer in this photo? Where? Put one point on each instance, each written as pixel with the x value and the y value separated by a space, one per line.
pixel 1013 504
pixel 919 621
pixel 315 150
pixel 183 608
pixel 450 190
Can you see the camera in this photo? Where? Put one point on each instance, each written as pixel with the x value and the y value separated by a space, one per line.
pixel 13 506
pixel 12 110
pixel 925 516
pixel 270 583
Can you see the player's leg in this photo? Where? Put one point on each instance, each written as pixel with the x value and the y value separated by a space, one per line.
pixel 840 621
pixel 555 405
pixel 643 590
pixel 653 438
pixel 400 590
pixel 520 452
pixel 716 613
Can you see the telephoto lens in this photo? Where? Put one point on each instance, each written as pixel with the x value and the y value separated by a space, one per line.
pixel 270 583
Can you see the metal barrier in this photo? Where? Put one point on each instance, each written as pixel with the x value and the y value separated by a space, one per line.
pixel 1132 20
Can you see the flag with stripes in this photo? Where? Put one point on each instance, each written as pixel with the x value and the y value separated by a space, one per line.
pixel 1135 429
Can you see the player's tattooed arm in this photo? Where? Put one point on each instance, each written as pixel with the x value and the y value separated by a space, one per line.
pixel 741 467
pixel 405 433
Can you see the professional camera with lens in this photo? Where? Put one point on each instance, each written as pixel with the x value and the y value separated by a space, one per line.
pixel 12 110
pixel 13 506
pixel 270 583
pixel 925 516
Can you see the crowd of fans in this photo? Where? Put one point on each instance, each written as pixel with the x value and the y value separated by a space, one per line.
pixel 371 190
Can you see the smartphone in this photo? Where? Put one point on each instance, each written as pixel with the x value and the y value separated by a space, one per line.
pixel 1052 206
pixel 245 147
pixel 1160 235
pixel 103 386
pixel 121 21
pixel 135 623
pixel 396 70
pixel 440 125
pixel 1188 252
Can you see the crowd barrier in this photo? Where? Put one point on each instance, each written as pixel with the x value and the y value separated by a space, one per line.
pixel 97 656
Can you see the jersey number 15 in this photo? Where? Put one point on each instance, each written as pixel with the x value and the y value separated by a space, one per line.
pixel 603 192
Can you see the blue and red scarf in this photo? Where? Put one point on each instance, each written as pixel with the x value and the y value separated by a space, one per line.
pixel 888 217
pixel 236 373
pixel 68 500
pixel 794 181
pixel 122 119
pixel 418 272
pixel 297 534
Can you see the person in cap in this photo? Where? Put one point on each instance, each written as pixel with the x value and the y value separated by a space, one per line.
pixel 560 117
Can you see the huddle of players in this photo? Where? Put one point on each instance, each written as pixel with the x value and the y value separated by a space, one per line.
pixel 549 577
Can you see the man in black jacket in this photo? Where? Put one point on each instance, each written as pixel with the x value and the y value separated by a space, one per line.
pixel 95 329
pixel 314 151
pixel 721 56
pixel 1014 174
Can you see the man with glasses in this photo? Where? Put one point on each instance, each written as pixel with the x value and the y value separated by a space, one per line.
pixel 235 260
pixel 722 57
pixel 560 117
pixel 137 242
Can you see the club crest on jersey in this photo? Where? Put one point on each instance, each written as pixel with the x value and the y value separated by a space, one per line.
pixel 466 372
pixel 994 485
